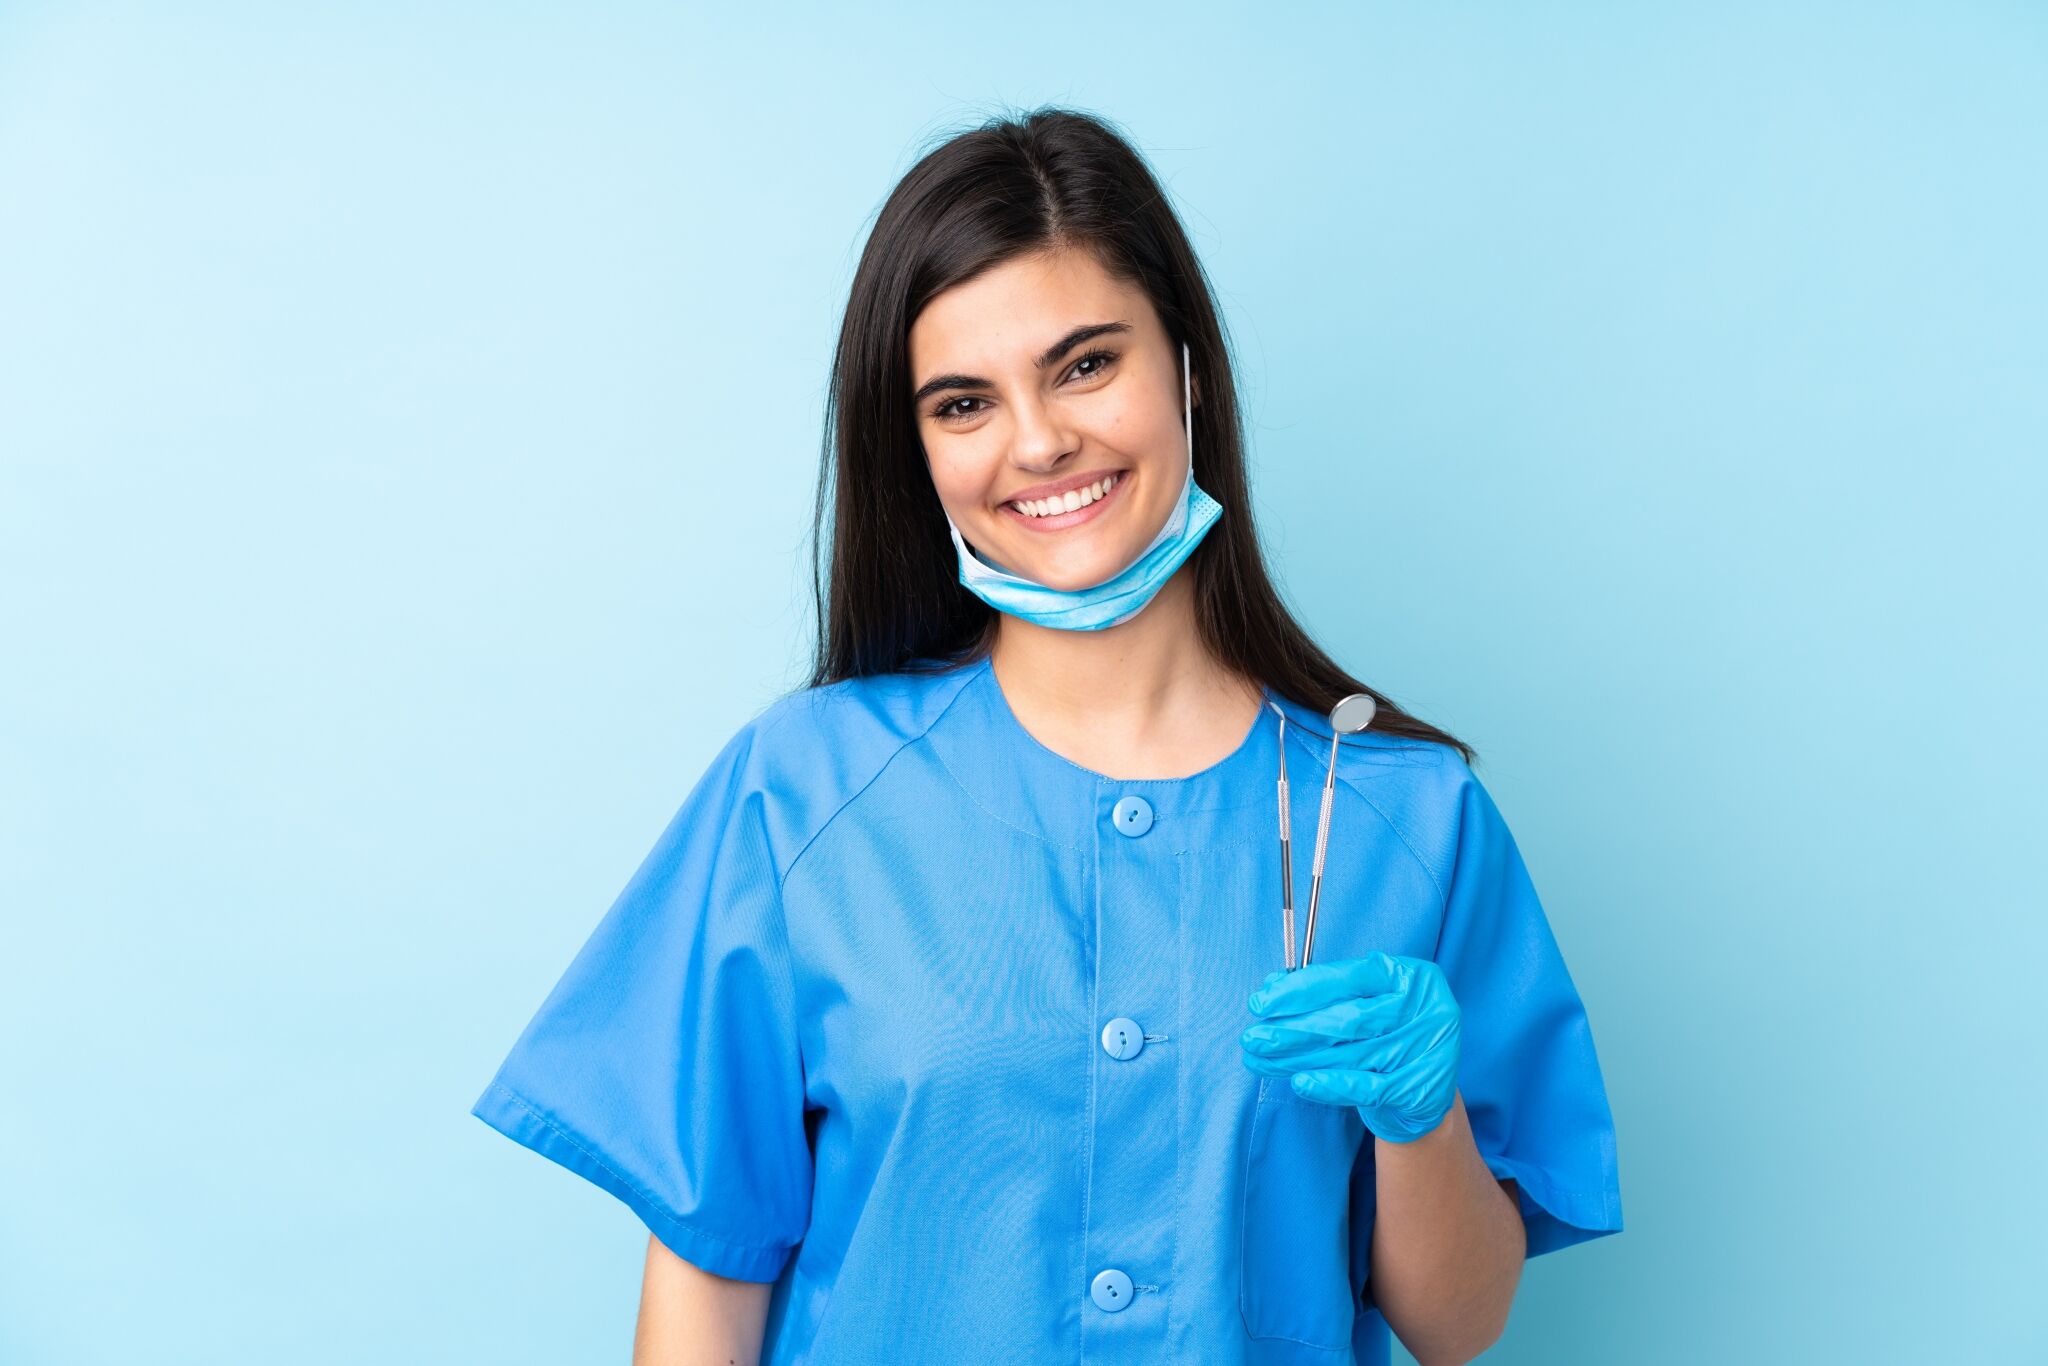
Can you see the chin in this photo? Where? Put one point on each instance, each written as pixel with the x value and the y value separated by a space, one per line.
pixel 1068 578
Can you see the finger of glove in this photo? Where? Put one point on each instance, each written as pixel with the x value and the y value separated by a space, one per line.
pixel 1320 984
pixel 1384 1052
pixel 1417 1038
pixel 1339 1086
pixel 1417 1098
pixel 1409 1046
pixel 1349 1020
pixel 1399 1108
pixel 1351 1055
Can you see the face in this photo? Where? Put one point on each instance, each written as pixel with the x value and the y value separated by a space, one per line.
pixel 1042 375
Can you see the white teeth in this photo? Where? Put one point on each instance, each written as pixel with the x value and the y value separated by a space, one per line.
pixel 1068 501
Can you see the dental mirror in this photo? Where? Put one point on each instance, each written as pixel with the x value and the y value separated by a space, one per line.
pixel 1351 715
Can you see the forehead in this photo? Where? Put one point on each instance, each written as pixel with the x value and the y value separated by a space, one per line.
pixel 1014 310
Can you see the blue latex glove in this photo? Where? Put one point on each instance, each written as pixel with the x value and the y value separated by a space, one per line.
pixel 1378 1032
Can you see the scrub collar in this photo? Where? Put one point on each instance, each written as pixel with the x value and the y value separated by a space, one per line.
pixel 1005 769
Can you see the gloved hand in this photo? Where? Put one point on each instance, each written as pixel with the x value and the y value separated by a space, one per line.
pixel 1378 1032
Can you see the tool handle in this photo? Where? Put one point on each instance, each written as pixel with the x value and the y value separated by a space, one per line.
pixel 1286 855
pixel 1323 831
pixel 1286 880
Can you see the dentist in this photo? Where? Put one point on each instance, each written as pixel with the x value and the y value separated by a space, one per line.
pixel 945 1021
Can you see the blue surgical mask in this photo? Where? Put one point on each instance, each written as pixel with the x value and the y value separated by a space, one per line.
pixel 1123 595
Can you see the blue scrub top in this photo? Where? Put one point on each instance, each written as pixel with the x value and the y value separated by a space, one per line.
pixel 938 1031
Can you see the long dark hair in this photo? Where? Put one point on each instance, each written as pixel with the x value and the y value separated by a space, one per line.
pixel 1050 179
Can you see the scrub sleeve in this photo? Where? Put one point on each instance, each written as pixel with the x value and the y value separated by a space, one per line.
pixel 1527 1070
pixel 665 1064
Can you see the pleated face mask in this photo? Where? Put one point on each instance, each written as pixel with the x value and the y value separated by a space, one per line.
pixel 1124 594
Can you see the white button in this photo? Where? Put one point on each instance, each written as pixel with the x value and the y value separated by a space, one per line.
pixel 1121 1038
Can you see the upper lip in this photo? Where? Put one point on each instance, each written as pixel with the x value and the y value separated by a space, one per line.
pixel 1058 486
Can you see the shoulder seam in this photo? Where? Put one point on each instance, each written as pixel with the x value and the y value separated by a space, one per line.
pixel 810 841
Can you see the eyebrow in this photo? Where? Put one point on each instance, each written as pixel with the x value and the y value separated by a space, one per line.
pixel 1085 332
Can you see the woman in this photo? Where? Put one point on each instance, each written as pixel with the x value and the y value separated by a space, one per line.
pixel 951 1018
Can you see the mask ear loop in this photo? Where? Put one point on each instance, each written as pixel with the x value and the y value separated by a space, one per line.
pixel 1187 406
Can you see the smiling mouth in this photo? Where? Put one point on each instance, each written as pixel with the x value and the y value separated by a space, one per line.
pixel 1055 514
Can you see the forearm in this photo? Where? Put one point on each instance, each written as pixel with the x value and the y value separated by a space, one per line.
pixel 689 1317
pixel 1447 1244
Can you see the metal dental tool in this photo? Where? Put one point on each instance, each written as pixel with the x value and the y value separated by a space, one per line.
pixel 1286 863
pixel 1351 715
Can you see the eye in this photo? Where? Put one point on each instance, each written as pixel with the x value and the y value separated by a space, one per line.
pixel 943 413
pixel 1107 359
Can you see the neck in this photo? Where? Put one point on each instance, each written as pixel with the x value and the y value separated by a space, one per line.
pixel 1143 698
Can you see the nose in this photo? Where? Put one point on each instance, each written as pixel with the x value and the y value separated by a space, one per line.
pixel 1039 441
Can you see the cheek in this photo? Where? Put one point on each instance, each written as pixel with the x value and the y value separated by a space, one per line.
pixel 961 477
pixel 1140 431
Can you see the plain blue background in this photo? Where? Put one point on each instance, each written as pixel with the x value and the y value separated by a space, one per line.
pixel 408 428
